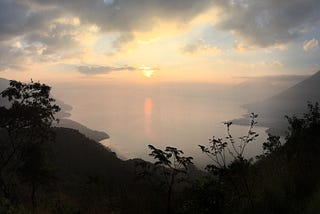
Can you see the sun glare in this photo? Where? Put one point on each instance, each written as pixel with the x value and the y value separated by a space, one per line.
pixel 147 72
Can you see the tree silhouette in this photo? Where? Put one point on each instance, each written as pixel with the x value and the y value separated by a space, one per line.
pixel 219 148
pixel 171 165
pixel 25 125
pixel 234 171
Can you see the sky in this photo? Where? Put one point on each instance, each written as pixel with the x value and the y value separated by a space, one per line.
pixel 158 40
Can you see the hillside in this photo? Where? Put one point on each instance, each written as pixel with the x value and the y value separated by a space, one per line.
pixel 76 153
pixel 92 134
pixel 83 176
pixel 290 101
pixel 260 88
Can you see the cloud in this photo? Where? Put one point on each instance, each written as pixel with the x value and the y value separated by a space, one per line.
pixel 55 42
pixel 57 37
pixel 268 22
pixel 11 57
pixel 260 22
pixel 39 24
pixel 123 39
pixel 18 18
pixel 200 46
pixel 128 15
pixel 39 27
pixel 95 70
pixel 243 47
pixel 38 31
pixel 310 45
pixel 108 2
pixel 275 63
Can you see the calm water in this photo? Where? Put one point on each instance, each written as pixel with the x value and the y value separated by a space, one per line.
pixel 182 116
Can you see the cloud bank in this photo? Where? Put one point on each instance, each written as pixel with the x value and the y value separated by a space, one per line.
pixel 34 31
pixel 263 22
pixel 200 46
pixel 46 25
pixel 95 70
pixel 310 45
pixel 268 22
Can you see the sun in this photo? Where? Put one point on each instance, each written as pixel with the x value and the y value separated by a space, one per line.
pixel 147 72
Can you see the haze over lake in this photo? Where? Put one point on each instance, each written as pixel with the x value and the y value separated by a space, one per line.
pixel 178 115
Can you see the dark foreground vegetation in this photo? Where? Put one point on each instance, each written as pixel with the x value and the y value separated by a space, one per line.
pixel 58 170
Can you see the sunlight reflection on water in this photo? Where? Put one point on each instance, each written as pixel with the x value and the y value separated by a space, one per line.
pixel 148 117
pixel 135 117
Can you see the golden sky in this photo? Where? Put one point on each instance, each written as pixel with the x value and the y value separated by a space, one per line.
pixel 157 40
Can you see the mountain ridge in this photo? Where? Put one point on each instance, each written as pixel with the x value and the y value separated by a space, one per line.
pixel 272 111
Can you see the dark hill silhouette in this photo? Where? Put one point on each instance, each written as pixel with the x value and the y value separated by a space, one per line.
pixel 90 174
pixel 75 153
pixel 92 134
pixel 86 170
pixel 290 101
pixel 90 178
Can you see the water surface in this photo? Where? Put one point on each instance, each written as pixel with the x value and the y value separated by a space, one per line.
pixel 134 116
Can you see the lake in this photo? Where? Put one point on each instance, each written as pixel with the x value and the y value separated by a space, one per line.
pixel 164 114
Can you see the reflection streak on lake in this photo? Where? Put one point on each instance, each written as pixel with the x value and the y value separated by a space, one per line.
pixel 148 117
pixel 136 116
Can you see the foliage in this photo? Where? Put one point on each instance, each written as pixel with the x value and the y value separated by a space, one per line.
pixel 25 126
pixel 31 106
pixel 171 158
pixel 170 165
pixel 284 179
pixel 205 196
pixel 270 147
pixel 311 119
pixel 218 148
